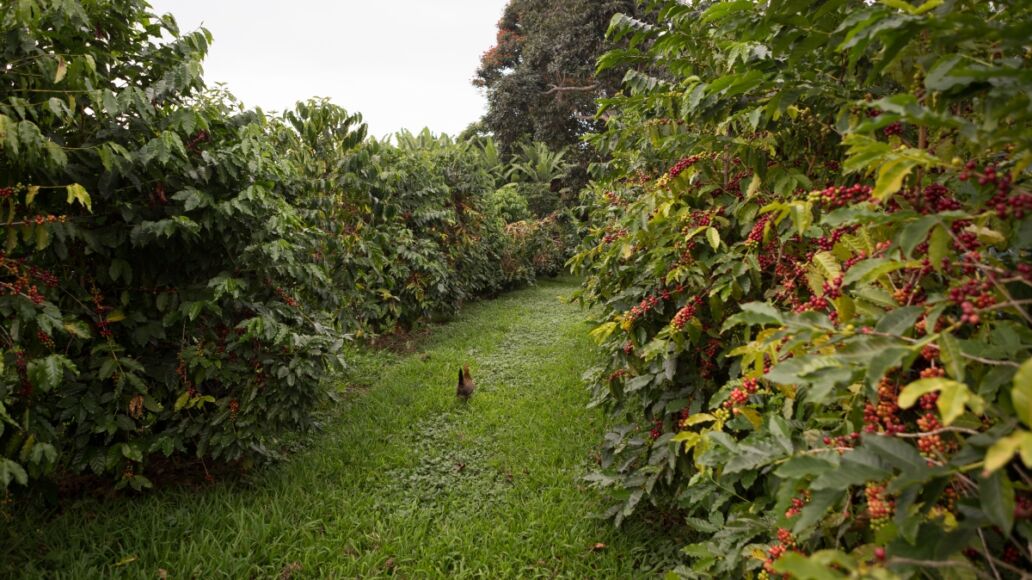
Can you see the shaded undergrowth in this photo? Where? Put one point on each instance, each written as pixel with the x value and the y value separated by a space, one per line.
pixel 406 481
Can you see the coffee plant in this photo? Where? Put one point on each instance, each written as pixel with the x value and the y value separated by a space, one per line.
pixel 179 273
pixel 810 261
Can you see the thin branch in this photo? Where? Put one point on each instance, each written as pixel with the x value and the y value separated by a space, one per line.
pixel 988 557
pixel 989 361
pixel 582 89
pixel 938 431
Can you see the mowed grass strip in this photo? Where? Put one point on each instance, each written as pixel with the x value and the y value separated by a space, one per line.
pixel 406 481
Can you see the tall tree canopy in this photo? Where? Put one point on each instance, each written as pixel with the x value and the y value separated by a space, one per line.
pixel 540 76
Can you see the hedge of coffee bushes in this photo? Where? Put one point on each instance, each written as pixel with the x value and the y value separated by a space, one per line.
pixel 179 272
pixel 812 270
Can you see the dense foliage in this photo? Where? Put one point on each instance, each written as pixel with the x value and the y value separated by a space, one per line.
pixel 179 273
pixel 540 76
pixel 812 266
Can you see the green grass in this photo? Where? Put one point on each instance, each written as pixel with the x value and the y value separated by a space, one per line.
pixel 405 481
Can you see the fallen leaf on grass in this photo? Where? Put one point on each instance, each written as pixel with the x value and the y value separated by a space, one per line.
pixel 289 570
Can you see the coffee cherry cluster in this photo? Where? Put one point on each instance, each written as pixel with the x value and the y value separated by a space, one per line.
pixel 628 348
pixel 775 552
pixel 798 503
pixel 683 164
pixel 22 367
pixel 45 339
pixel 286 297
pixel 1016 206
pixel 879 505
pixel 756 234
pixel 685 314
pixel 891 129
pixel 234 408
pixel 928 401
pixel 193 145
pixel 839 195
pixel 786 538
pixel 6 192
pixel 611 237
pixel 708 356
pixel 643 308
pixel 736 399
pixel 98 305
pixel 682 417
pixel 842 441
pixel 657 429
pixel 931 446
pixel 184 376
pixel 828 242
pixel 615 200
pixel 618 374
pixel 972 296
pixel 937 199
pixel 885 415
pixel 1022 507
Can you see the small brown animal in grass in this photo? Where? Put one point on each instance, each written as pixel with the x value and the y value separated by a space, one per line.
pixel 466 384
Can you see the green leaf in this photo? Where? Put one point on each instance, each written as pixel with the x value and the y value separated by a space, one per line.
pixel 78 193
pixel 857 467
pixel 11 471
pixel 891 176
pixel 181 401
pixel 1001 452
pixel 1021 394
pixel 953 397
pixel 900 320
pixel 132 452
pixel 801 567
pixel 713 236
pixel 755 313
pixel 62 70
pixel 805 466
pixel 872 269
pixel 915 232
pixel 896 452
pixel 819 505
pixel 938 246
pixel 996 495
pixel 48 373
pixel 952 357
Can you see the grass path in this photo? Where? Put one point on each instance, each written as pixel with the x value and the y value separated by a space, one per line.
pixel 406 481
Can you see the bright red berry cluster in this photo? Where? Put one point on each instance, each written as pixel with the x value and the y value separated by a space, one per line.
pixel 657 429
pixel 98 305
pixel 45 339
pixel 736 399
pixel 839 195
pixel 756 234
pixel 879 505
pixel 885 415
pixel 286 297
pixel 685 314
pixel 22 366
pixel 893 129
pixel 683 164
pixel 798 503
pixel 643 308
pixel 611 237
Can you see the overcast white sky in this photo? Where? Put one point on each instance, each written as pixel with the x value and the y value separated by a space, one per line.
pixel 401 63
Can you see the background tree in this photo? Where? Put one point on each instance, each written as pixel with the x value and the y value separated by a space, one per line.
pixel 540 76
